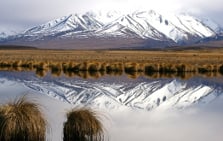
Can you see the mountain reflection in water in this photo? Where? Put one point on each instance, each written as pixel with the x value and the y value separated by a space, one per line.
pixel 120 90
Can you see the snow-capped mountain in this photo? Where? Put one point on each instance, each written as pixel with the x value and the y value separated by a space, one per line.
pixel 146 25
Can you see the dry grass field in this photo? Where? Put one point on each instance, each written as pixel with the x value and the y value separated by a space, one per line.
pixel 96 62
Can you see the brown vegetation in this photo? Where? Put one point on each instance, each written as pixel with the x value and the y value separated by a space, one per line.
pixel 83 125
pixel 21 121
pixel 97 63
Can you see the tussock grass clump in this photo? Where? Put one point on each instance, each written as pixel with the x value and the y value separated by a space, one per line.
pixel 56 69
pixel 83 66
pixel 94 66
pixel 41 66
pixel 202 69
pixel 133 67
pixel 103 67
pixel 221 69
pixel 150 68
pixel 68 66
pixel 190 68
pixel 207 69
pixel 27 65
pixel 16 64
pixel 83 125
pixel 167 68
pixel 76 67
pixel 115 67
pixel 22 121
pixel 5 64
pixel 180 68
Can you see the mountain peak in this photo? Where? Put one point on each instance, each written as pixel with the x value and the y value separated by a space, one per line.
pixel 142 24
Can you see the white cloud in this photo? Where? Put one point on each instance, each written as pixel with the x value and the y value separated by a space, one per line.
pixel 188 125
pixel 26 13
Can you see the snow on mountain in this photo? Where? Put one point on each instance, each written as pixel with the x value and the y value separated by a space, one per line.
pixel 194 26
pixel 72 23
pixel 3 35
pixel 105 17
pixel 6 34
pixel 212 25
pixel 139 24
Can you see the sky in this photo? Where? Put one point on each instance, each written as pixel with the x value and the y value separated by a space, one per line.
pixel 18 15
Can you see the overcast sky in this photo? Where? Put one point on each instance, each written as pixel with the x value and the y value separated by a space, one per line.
pixel 22 14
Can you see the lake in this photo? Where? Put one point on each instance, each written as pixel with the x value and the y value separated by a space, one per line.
pixel 131 108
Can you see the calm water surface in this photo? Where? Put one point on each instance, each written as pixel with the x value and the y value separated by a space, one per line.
pixel 177 109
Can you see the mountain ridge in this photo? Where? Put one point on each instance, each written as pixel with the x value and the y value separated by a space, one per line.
pixel 149 26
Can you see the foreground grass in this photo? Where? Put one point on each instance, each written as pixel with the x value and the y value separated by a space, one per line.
pixel 22 121
pixel 114 62
pixel 83 125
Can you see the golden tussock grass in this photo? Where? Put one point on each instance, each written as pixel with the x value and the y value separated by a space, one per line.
pixel 112 62
pixel 22 121
pixel 134 67
pixel 41 65
pixel 115 67
pixel 56 69
pixel 83 125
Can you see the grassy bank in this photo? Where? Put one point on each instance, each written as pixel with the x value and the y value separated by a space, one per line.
pixel 101 62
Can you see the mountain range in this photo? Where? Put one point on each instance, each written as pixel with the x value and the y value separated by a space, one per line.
pixel 139 29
